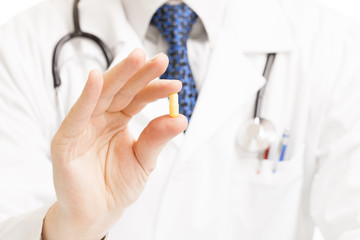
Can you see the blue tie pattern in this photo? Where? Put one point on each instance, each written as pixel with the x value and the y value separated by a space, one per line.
pixel 175 23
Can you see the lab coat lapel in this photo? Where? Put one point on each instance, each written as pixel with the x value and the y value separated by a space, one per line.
pixel 105 19
pixel 231 78
pixel 228 84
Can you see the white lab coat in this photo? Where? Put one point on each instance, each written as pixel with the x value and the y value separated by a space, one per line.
pixel 204 186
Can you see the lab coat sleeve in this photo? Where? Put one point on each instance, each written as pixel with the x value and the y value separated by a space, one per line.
pixel 27 226
pixel 335 192
pixel 26 120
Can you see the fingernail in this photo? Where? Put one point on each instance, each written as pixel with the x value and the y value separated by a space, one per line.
pixel 156 56
pixel 132 52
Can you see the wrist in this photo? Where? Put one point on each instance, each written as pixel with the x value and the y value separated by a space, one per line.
pixel 57 226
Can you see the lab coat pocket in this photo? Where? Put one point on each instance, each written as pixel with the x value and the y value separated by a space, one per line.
pixel 271 171
pixel 261 200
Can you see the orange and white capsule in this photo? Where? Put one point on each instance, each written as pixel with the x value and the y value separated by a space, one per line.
pixel 174 105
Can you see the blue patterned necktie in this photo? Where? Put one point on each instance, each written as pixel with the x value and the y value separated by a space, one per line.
pixel 175 23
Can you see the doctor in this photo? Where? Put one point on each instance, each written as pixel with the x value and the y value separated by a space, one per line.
pixel 204 185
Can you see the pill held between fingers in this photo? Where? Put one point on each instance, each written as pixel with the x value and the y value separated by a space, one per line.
pixel 174 105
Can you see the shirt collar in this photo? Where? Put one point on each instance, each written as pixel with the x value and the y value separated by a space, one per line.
pixel 211 13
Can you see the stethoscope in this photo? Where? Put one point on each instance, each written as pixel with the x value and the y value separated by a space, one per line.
pixel 78 33
pixel 258 133
pixel 255 136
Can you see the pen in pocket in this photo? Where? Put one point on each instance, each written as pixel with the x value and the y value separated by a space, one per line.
pixel 283 147
pixel 264 156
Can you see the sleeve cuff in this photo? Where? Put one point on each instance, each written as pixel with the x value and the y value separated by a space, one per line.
pixel 25 226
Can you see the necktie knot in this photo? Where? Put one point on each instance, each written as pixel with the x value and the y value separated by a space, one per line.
pixel 174 22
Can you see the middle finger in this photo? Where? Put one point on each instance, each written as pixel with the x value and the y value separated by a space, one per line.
pixel 151 70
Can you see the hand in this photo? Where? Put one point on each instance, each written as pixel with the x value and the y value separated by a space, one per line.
pixel 99 169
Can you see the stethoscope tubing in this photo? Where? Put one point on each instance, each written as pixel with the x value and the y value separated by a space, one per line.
pixel 55 69
pixel 270 59
pixel 78 33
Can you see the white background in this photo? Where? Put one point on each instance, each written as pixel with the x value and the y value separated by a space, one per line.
pixel 9 8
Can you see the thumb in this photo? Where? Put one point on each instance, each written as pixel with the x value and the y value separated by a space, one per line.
pixel 80 114
pixel 154 138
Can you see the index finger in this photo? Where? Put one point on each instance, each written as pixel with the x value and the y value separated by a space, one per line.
pixel 116 77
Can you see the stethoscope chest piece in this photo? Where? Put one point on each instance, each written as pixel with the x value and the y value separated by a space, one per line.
pixel 256 135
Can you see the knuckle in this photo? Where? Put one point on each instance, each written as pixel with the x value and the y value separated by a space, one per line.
pixel 124 96
pixel 122 99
